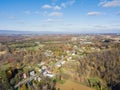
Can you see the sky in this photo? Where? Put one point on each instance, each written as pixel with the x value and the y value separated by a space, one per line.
pixel 60 15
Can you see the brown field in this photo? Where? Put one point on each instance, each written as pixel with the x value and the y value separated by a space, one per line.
pixel 2 52
pixel 70 85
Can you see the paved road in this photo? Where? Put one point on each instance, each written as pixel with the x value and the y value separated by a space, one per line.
pixel 25 81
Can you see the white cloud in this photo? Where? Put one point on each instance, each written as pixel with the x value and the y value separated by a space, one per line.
pixel 12 17
pixel 100 26
pixel 94 13
pixel 44 13
pixel 57 8
pixel 57 14
pixel 20 22
pixel 113 3
pixel 46 6
pixel 63 5
pixel 118 13
pixel 54 20
pixel 49 20
pixel 36 12
pixel 71 2
pixel 27 12
pixel 68 3
pixel 54 2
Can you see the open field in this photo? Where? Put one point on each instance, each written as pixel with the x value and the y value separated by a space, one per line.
pixel 70 85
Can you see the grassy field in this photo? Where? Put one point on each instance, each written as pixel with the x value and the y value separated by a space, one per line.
pixel 70 85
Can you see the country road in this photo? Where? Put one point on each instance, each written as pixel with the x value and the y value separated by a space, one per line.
pixel 25 81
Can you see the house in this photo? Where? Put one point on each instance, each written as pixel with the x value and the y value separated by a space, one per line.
pixel 32 73
pixel 73 38
pixel 69 58
pixel 75 47
pixel 22 76
pixel 39 79
pixel 38 69
pixel 60 63
pixel 73 53
pixel 50 75
pixel 63 62
pixel 47 73
pixel 48 53
pixel 42 63
pixel 44 67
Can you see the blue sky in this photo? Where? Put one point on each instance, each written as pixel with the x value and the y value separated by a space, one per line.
pixel 60 15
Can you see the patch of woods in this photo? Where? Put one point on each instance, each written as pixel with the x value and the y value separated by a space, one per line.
pixel 20 58
pixel 101 69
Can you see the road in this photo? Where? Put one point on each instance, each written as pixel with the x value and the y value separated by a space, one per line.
pixel 25 81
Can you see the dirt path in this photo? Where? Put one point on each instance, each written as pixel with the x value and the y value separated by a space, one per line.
pixel 69 85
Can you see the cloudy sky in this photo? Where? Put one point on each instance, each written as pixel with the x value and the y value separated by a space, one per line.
pixel 60 15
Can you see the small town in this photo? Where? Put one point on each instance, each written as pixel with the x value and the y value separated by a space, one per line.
pixel 49 63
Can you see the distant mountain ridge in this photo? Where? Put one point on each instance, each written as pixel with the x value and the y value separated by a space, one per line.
pixel 14 32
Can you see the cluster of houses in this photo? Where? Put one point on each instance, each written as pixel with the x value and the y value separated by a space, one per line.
pixel 35 74
pixel 43 70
